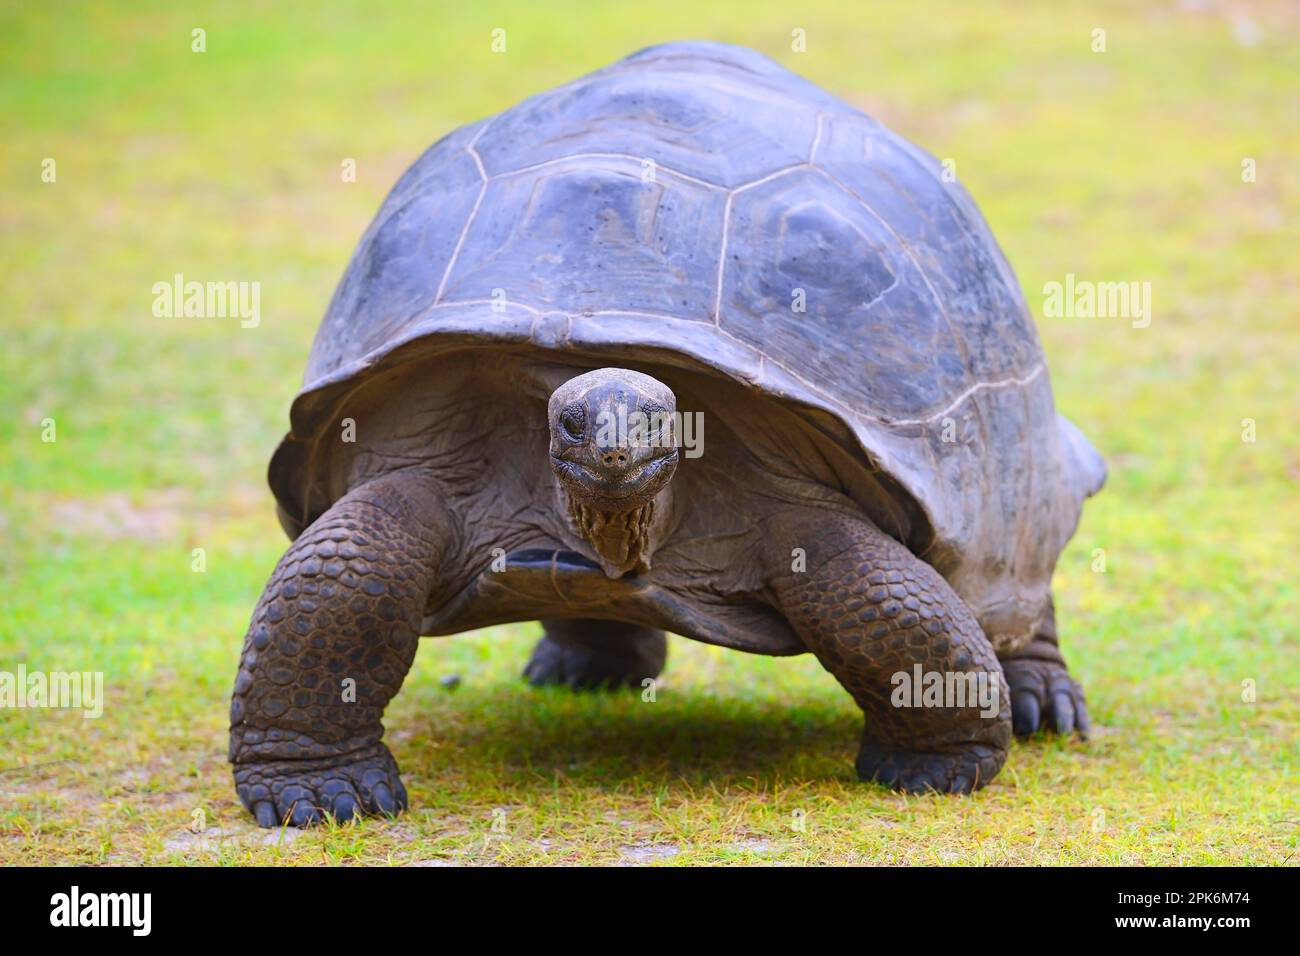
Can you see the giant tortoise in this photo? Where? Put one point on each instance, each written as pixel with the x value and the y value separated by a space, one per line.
pixel 685 345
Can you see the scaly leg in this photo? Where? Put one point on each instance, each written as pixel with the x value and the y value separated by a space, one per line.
pixel 329 644
pixel 871 611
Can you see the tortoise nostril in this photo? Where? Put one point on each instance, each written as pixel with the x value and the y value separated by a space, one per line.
pixel 614 458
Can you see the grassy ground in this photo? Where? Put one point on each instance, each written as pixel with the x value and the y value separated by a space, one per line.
pixel 1122 165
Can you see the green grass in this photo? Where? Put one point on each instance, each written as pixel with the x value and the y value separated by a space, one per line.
pixel 1114 166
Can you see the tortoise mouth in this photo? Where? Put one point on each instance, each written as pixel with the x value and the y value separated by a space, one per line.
pixel 622 492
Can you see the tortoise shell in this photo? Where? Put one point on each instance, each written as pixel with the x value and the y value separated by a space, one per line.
pixel 696 205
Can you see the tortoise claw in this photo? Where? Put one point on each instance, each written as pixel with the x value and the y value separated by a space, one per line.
pixel 1045 697
pixel 301 793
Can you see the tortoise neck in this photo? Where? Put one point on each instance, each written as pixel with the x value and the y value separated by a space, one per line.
pixel 622 540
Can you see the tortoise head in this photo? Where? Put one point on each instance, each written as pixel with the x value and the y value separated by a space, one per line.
pixel 613 444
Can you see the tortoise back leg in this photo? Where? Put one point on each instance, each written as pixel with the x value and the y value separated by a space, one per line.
pixel 1043 694
pixel 329 644
pixel 585 654
pixel 879 618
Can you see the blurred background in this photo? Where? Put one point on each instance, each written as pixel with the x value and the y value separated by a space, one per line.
pixel 1168 155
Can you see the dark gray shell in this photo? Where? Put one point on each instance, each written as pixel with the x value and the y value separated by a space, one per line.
pixel 678 206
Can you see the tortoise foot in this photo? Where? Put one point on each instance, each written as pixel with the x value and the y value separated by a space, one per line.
pixel 1044 697
pixel 961 770
pixel 301 793
pixel 590 655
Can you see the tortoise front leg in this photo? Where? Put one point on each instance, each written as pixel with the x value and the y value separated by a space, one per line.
pixel 329 644
pixel 1043 694
pixel 871 611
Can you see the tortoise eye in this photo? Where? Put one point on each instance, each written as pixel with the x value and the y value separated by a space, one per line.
pixel 573 420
